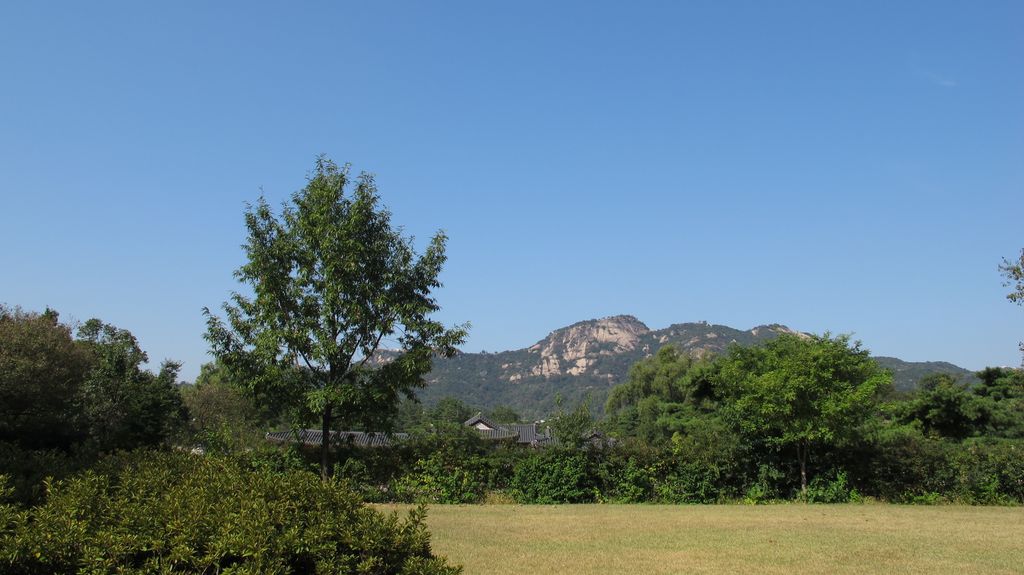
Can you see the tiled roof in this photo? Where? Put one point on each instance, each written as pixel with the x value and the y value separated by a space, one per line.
pixel 497 434
pixel 527 432
pixel 357 438
pixel 522 432
pixel 479 418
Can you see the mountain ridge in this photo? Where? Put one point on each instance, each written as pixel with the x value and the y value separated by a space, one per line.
pixel 589 357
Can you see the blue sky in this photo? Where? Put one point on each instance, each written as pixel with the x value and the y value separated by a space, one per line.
pixel 849 167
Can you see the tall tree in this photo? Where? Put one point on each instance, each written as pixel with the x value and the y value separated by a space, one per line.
pixel 663 394
pixel 223 416
pixel 449 410
pixel 1013 271
pixel 331 281
pixel 41 373
pixel 124 405
pixel 798 392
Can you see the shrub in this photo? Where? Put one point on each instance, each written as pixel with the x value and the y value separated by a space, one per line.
pixel 439 479
pixel 689 482
pixel 766 487
pixel 831 489
pixel 552 476
pixel 988 472
pixel 629 482
pixel 27 468
pixel 150 512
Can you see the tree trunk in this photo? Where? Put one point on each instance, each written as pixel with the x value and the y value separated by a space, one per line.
pixel 801 454
pixel 325 445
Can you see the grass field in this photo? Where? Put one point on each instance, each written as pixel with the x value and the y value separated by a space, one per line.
pixel 642 539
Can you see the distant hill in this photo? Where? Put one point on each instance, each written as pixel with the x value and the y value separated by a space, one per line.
pixel 906 374
pixel 591 357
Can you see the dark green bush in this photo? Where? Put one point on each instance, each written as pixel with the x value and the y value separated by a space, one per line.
pixel 552 476
pixel 441 479
pixel 831 488
pixel 689 482
pixel 27 468
pixel 627 481
pixel 907 466
pixel 988 472
pixel 151 512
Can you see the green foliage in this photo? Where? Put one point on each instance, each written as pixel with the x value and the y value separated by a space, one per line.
pixel 904 465
pixel 126 406
pixel 552 476
pixel 1003 391
pixel 41 374
pixel 670 375
pixel 55 391
pixel 154 512
pixel 831 489
pixel 797 392
pixel 765 489
pixel 632 482
pixel 410 416
pixel 64 400
pixel 440 478
pixel 945 407
pixel 27 469
pixel 1013 271
pixel 332 278
pixel 569 428
pixel 504 414
pixel 661 394
pixel 223 417
pixel 449 411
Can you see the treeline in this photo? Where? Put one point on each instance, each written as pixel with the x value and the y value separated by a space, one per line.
pixel 899 468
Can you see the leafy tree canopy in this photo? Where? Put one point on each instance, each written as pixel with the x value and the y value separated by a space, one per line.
pixel 1013 271
pixel 126 406
pixel 449 411
pixel 332 281
pixel 798 391
pixel 504 414
pixel 662 396
pixel 56 391
pixel 41 372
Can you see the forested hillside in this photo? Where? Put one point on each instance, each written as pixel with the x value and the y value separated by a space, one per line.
pixel 590 357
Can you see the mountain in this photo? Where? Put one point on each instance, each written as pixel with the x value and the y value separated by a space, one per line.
pixel 590 357
pixel 906 374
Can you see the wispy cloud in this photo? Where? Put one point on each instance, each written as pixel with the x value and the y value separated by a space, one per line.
pixel 929 75
pixel 938 79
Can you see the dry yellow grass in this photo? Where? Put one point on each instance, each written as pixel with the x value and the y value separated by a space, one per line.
pixel 654 539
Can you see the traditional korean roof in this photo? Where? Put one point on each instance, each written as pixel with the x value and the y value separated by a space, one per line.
pixel 478 419
pixel 525 433
pixel 497 434
pixel 356 438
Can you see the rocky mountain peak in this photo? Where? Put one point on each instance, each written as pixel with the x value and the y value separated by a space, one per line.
pixel 573 350
pixel 774 328
pixel 620 331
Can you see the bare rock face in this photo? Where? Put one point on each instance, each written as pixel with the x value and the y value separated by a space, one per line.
pixel 575 350
pixel 775 329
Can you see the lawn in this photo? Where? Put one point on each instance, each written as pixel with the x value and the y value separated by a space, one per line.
pixel 793 538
